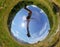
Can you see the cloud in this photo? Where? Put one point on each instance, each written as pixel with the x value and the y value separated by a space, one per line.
pixel 41 11
pixel 24 18
pixel 44 28
pixel 13 23
pixel 34 6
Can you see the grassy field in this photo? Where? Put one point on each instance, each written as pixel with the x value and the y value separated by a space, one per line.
pixel 57 2
pixel 6 40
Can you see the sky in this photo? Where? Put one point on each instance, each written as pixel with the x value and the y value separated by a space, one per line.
pixel 39 25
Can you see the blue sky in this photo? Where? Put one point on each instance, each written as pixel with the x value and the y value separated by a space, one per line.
pixel 39 25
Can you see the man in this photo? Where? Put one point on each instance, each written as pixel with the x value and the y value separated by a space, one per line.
pixel 28 20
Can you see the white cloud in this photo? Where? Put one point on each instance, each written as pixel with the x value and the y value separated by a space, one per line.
pixel 27 6
pixel 43 29
pixel 41 11
pixel 24 18
pixel 13 23
pixel 44 35
pixel 34 6
pixel 14 32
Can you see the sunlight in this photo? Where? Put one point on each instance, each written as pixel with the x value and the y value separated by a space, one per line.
pixel 22 25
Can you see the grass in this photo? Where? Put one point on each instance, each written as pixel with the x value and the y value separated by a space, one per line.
pixel 6 40
pixel 57 2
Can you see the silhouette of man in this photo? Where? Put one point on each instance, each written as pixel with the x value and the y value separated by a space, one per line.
pixel 28 20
